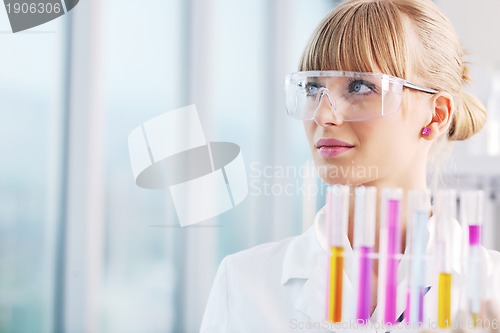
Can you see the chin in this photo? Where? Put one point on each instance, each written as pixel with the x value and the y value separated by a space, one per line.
pixel 343 181
pixel 344 175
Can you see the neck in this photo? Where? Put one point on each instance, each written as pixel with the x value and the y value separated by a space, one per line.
pixel 411 183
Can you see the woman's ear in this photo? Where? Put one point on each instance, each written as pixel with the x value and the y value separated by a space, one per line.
pixel 443 108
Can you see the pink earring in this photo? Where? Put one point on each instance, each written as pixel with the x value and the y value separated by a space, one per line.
pixel 426 131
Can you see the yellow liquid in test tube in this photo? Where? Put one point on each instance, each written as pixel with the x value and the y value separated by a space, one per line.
pixel 336 273
pixel 444 300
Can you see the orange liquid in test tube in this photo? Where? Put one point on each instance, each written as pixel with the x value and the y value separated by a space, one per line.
pixel 335 287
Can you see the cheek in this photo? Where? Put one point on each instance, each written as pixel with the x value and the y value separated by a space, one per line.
pixel 374 134
pixel 419 110
pixel 385 142
pixel 401 125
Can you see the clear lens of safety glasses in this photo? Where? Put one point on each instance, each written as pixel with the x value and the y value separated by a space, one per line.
pixel 352 96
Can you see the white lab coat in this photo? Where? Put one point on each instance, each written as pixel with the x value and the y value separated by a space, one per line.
pixel 280 286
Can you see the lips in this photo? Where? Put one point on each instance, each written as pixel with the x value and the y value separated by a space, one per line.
pixel 330 147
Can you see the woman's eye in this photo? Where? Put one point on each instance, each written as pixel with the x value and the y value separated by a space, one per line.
pixel 360 87
pixel 311 89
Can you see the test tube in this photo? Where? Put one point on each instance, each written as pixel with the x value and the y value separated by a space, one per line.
pixel 337 213
pixel 389 253
pixel 416 243
pixel 364 243
pixel 445 208
pixel 471 214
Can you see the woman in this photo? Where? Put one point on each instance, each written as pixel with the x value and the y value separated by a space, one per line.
pixel 390 123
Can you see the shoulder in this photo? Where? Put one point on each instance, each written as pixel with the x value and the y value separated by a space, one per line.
pixel 266 249
pixel 259 257
pixel 267 260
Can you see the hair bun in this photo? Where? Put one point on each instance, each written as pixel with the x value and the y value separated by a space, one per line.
pixel 469 117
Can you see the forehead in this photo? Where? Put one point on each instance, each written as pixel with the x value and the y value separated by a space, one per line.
pixel 366 37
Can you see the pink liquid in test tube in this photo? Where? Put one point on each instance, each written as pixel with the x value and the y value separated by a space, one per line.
pixel 364 286
pixel 393 249
pixel 364 242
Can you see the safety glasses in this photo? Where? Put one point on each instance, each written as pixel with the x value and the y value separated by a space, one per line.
pixel 352 96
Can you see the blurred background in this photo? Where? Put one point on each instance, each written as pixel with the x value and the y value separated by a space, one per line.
pixel 82 248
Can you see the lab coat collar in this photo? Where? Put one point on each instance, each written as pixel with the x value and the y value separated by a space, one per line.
pixel 301 256
pixel 306 258
pixel 299 259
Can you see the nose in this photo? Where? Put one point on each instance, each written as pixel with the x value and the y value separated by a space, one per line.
pixel 326 111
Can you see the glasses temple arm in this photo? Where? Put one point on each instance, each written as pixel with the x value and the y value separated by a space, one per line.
pixel 410 85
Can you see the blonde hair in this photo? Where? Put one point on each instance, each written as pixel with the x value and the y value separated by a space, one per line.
pixel 373 35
